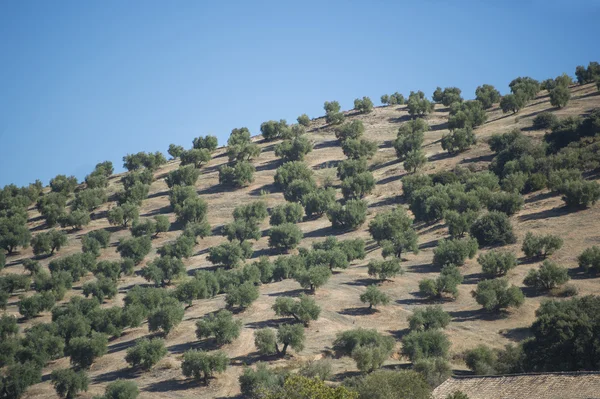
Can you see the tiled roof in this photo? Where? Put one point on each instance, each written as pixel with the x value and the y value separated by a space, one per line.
pixel 575 385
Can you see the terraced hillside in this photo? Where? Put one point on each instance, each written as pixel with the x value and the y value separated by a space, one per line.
pixel 341 308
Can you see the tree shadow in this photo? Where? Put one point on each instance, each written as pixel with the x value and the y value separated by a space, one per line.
pixel 516 334
pixel 171 385
pixel 158 194
pixel 580 274
pixel 399 334
pixel 266 252
pixel 534 113
pixel 325 232
pixel 327 165
pixel 441 126
pixel 292 293
pixel 423 268
pixel 481 158
pixel 359 311
pixel 391 162
pixel 362 282
pixel 339 377
pixel 400 119
pixel 547 214
pixel 159 211
pixel 539 197
pixel 272 323
pixel 204 345
pixel 326 144
pixel 254 357
pixel 418 299
pixel 269 188
pixel 391 178
pixel 441 156
pixel 35 219
pixel 386 144
pixel 431 229
pixel 121 346
pixel 593 94
pixel 121 374
pixel 473 278
pixel 217 188
pixel 393 200
pixel 429 244
pixel 460 316
pixel 270 165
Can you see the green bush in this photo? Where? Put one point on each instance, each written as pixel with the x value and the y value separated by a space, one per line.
pixel 487 95
pixel 333 115
pixel 123 215
pixel 446 283
pixel 77 265
pixel 254 383
pixel 417 345
pixel 318 202
pixel 84 350
pixel 547 277
pixel 540 246
pixel 414 160
pixel 493 228
pixel 359 148
pixel 240 148
pixel 163 270
pixel 285 236
pixel 183 176
pixel 384 269
pixel 291 171
pixel 512 103
pixel 242 295
pixel 350 130
pixel 351 167
pixel 304 311
pixel 349 216
pixel 514 182
pixel 497 263
pixel 368 348
pixel 418 105
pixel 286 213
pixel 182 247
pixel 68 382
pixel 364 105
pixel 469 114
pixel 135 248
pixel 459 223
pixel 166 316
pixel 298 189
pixel 94 241
pixel 454 252
pixel 560 96
pixel 358 186
pixel 150 161
pixel 429 318
pixel 525 86
pixel 482 360
pixel 48 242
pixel 146 353
pixel 32 306
pixel 505 202
pixel 388 384
pixel 304 120
pixel 175 150
pixel 272 130
pixel 290 336
pixel 238 176
pixel 410 137
pixel 459 140
pixel 89 199
pixel 589 260
pixel 496 295
pixel 374 297
pixel 192 210
pixel 580 193
pixel 195 157
pixel 101 288
pixel 545 120
pixel 294 149
pixel 63 184
pixel 220 325
pixel 230 254
pixel 201 365
pixel 207 142
pixel 75 220
pixel 434 370
pixel 313 278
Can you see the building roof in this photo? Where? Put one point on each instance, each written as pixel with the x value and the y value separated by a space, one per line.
pixel 568 385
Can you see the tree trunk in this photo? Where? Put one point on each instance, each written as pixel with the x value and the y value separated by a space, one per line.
pixel 284 349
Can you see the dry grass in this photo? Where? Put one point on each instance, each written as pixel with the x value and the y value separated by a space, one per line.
pixel 341 308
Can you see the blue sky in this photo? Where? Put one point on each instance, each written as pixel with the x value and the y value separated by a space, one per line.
pixel 86 81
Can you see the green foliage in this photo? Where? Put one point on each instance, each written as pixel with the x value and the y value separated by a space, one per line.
pixel 77 265
pixel 333 115
pixel 294 149
pixel 481 360
pixel 193 210
pixel 526 87
pixel 347 341
pixel 458 141
pixel 304 310
pixel 286 213
pixel 560 96
pixel 496 295
pixel 99 176
pixel 291 171
pixel 417 345
pixel 318 202
pixel 548 276
pixel 48 242
pixel 230 254
pixel 285 236
pixel 195 157
pixel 587 75
pixel 589 260
pixel 390 384
pixel 207 142
pixel 359 148
pixel 454 252
pixel 493 228
pixel 580 193
pixel 545 120
pixel 220 325
pixel 374 297
pixel 175 150
pixel 89 199
pixel 68 382
pixel 348 216
pixel 255 383
pixel 84 350
pixel 75 220
pixel 63 184
pixel 123 215
pixel 145 177
pixel 434 370
pixel 304 120
pixel 414 160
pixel 32 306
pixel 487 95
pixel 52 207
pixel 540 246
pixel 459 223
pixel 182 247
pixel 242 296
pixel 135 248
pixel 165 317
pixel 121 389
pixel 202 365
pixel 18 377
pixel 350 130
pixel 150 161
pixel 183 176
pixel 418 105
pixel 146 353
pixel 358 186
pixel 469 114
pixel 385 269
pixel 446 283
pixel 163 270
pixel 394 232
pixel 449 95
pixel 364 105
pixel 298 189
pixel 320 369
pixel 198 229
pixel 313 278
pixel 497 263
pixel 392 99
pixel 505 202
pixel 102 288
pixel 429 318
pixel 272 130
pixel 94 240
pixel 512 103
pixel 265 341
pixel 410 137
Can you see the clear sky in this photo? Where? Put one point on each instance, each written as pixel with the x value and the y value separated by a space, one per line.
pixel 86 81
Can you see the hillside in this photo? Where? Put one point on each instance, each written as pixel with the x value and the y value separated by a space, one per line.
pixel 542 213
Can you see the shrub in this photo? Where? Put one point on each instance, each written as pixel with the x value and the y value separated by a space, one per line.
pixel 549 275
pixel 202 365
pixel 434 370
pixel 387 384
pixel 589 260
pixel 135 248
pixel 175 150
pixel 285 236
pixel 304 310
pixel 560 96
pixel 459 140
pixel 579 193
pixel 497 263
pixel 291 171
pixel 446 283
pixel 351 167
pixel 298 189
pixel 482 360
pixel 418 105
pixel 545 120
pixel 242 295
pixel 193 210
pixel 333 116
pixel 89 199
pixel 493 228
pixel 32 306
pixel 63 184
pixel 505 202
pixel 469 114
pixel 304 120
pixel 373 296
pixel 313 278
pixel 368 348
pixel 68 382
pixel 538 246
pixel 348 216
pixel 525 86
pixel 239 175
pixel 318 202
pixel 410 137
pixel 207 142
pixel 182 247
pixel 449 96
pixel 75 220
pixel 364 105
pixel 101 288
pixel 123 215
pixel 459 223
pixel 414 160
pixel 487 95
pixel 454 252
pixel 121 389
pixel 286 213
pixel 146 353
pixel 163 270
pixel 150 161
pixel 94 241
pixel 385 269
pixel 134 194
pixel 496 295
pixel 350 130
pixel 358 186
pixel 417 345
pixel 165 317
pixel 272 130
pixel 183 176
pixel 48 242
pixel 294 149
pixel 230 254
pixel 220 325
pixel 512 103
pixel 255 383
pixel 429 318
pixel 359 148
pixel 83 350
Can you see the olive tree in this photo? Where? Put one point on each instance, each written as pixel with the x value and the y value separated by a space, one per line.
pixel 589 260
pixel 123 215
pixel 294 149
pixel 417 345
pixel 207 142
pixel 497 263
pixel 418 104
pixel 304 120
pixel 547 277
pixel 459 140
pixel 493 228
pixel 384 269
pixel 540 246
pixel 48 242
pixel 68 382
pixel 230 254
pixel 175 150
pixel 202 365
pixel 364 105
pixel 221 325
pixel 487 95
pixel 495 295
pixel 446 283
pixel 333 115
pixel 239 175
pixel 313 277
pixel 560 96
pixel 454 252
pixel 267 343
pixel 429 318
pixel 285 236
pixel 135 248
pixel 304 310
pixel 84 350
pixel 286 213
pixel 183 176
pixel 146 353
pixel 348 216
pixel 242 296
pixel 374 297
